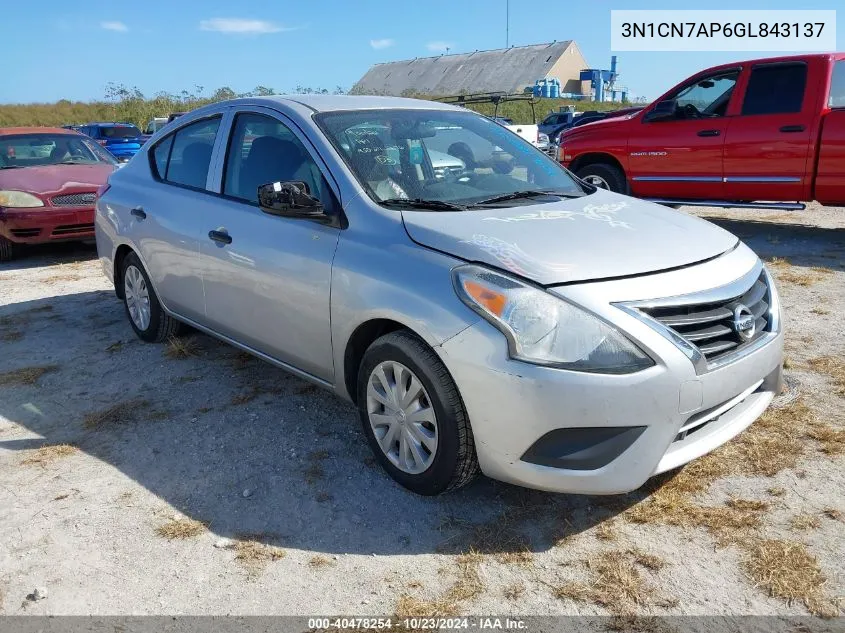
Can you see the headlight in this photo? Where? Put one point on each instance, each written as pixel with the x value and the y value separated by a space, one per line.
pixel 545 330
pixel 542 138
pixel 19 199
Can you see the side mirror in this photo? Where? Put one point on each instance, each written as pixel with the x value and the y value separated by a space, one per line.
pixel 662 111
pixel 290 199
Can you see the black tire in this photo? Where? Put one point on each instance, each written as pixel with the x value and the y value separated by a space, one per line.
pixel 455 462
pixel 7 250
pixel 162 326
pixel 610 174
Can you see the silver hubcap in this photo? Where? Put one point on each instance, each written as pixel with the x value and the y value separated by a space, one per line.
pixel 137 297
pixel 401 417
pixel 596 181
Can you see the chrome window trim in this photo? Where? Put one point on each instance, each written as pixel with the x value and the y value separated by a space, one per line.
pixel 722 293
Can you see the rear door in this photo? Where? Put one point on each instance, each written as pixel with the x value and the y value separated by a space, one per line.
pixel 830 175
pixel 682 157
pixel 767 148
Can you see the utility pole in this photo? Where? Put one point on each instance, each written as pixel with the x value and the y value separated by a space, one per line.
pixel 507 23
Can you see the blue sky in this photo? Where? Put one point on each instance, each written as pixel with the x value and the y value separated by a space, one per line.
pixel 57 49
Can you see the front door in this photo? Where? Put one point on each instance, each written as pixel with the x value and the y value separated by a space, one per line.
pixel 681 157
pixel 767 149
pixel 267 279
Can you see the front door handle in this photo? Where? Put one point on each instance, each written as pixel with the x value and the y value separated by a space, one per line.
pixel 220 236
pixel 139 213
pixel 792 128
pixel 709 133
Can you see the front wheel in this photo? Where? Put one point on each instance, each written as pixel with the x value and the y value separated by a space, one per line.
pixel 604 176
pixel 146 316
pixel 7 250
pixel 413 416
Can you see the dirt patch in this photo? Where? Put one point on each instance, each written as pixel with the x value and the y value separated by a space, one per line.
pixel 254 556
pixel 181 528
pixel 120 413
pixel 26 375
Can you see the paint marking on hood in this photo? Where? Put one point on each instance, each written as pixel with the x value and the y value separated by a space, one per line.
pixel 598 212
pixel 513 258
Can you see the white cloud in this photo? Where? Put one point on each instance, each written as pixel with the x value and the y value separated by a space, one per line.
pixel 114 26
pixel 379 44
pixel 438 46
pixel 242 26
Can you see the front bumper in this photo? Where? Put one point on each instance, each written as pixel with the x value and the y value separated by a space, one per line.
pixel 512 404
pixel 46 224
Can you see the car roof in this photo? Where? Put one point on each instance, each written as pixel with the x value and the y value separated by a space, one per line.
pixel 329 103
pixel 8 131
pixel 111 124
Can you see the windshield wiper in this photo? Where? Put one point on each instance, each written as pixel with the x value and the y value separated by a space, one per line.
pixel 74 162
pixel 420 203
pixel 528 193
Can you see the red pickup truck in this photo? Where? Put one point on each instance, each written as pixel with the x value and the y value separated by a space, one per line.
pixel 734 135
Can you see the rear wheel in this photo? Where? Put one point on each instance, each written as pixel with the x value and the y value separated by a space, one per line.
pixel 7 250
pixel 604 176
pixel 146 316
pixel 413 416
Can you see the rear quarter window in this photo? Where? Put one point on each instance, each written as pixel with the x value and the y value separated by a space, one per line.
pixel 837 86
pixel 775 89
pixel 161 154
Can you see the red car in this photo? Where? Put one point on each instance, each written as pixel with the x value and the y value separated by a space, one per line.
pixel 48 185
pixel 759 133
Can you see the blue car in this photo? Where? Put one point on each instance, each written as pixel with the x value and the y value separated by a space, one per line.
pixel 123 140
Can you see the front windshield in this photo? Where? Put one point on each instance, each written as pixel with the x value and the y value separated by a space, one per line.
pixel 34 150
pixel 453 157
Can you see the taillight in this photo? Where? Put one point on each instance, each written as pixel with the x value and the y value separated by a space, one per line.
pixel 102 141
pixel 101 190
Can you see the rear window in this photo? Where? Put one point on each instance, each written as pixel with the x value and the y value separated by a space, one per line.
pixel 837 86
pixel 121 131
pixel 775 89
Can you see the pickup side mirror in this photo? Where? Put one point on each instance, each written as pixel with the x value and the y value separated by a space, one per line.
pixel 291 199
pixel 662 111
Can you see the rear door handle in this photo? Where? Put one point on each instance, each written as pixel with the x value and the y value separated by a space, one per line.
pixel 792 128
pixel 139 213
pixel 709 133
pixel 220 236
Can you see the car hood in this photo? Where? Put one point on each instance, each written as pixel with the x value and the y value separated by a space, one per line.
pixel 49 179
pixel 595 237
pixel 602 124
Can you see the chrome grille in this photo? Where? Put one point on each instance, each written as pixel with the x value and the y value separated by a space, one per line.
pixel 711 327
pixel 75 199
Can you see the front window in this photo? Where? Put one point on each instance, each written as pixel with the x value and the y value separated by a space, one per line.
pixel 34 150
pixel 707 97
pixel 448 157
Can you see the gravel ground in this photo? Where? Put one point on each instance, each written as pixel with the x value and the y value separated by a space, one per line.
pixel 141 479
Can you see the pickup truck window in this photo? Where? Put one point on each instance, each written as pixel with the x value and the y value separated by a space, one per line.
pixel 837 86
pixel 708 96
pixel 775 89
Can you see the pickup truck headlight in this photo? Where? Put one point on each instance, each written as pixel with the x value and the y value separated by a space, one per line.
pixel 545 330
pixel 20 200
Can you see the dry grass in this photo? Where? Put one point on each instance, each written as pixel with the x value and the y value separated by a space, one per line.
pixel 181 529
pixel 323 497
pixel 318 562
pixel 63 277
pixel 615 581
pixel 831 440
pixel 787 272
pixel 115 347
pixel 467 586
pixel 833 367
pixel 247 396
pixel 606 530
pixel 122 412
pixel 242 360
pixel 776 491
pixel 787 570
pixel 805 521
pixel 514 591
pixel 523 557
pixel 254 555
pixel 820 311
pixel 832 513
pixel 182 348
pixel 48 454
pixel 10 336
pixel 25 375
pixel 314 473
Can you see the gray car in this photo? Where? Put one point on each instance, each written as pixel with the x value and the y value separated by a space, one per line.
pixel 497 316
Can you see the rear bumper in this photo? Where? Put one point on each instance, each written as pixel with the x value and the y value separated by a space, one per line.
pixel 37 226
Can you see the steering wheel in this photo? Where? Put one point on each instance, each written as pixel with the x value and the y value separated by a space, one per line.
pixel 690 111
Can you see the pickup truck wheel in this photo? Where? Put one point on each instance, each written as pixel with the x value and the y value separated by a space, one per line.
pixel 7 250
pixel 146 316
pixel 603 176
pixel 413 416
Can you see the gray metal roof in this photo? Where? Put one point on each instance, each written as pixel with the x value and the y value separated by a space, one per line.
pixel 505 69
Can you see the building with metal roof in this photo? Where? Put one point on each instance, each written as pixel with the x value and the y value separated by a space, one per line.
pixel 508 70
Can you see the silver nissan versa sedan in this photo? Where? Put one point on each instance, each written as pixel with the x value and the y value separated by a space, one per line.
pixel 498 315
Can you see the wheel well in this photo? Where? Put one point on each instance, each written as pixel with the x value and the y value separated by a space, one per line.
pixel 361 339
pixel 122 251
pixel 591 159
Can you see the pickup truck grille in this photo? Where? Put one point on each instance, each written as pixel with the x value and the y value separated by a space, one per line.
pixel 713 327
